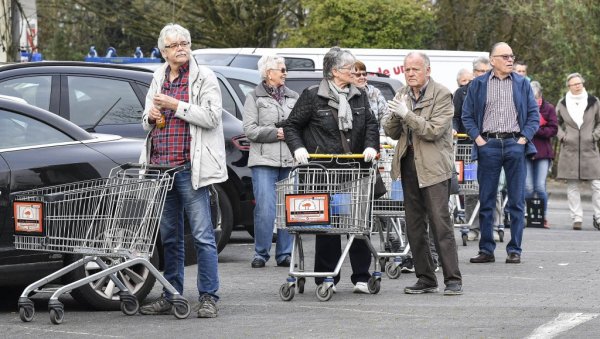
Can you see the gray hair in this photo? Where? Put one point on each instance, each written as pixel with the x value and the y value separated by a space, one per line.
pixel 480 61
pixel 422 56
pixel 537 89
pixel 335 59
pixel 267 62
pixel 172 30
pixel 574 75
pixel 461 72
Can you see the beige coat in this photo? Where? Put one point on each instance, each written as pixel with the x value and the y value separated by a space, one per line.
pixel 579 157
pixel 431 124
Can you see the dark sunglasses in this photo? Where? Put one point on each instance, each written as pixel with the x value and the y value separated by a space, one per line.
pixel 360 74
pixel 282 70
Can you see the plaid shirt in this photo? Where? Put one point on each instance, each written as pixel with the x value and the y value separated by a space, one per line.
pixel 500 112
pixel 171 145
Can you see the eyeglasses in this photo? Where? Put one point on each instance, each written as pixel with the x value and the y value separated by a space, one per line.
pixel 479 70
pixel 282 69
pixel 506 57
pixel 576 84
pixel 178 44
pixel 347 67
pixel 359 74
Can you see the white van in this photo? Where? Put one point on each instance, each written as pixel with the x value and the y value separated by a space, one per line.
pixel 444 64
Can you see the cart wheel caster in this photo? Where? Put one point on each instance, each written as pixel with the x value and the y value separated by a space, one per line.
pixel 286 292
pixel 56 315
pixel 26 309
pixel 501 235
pixel 130 307
pixel 465 237
pixel 181 309
pixel 393 271
pixel 374 285
pixel 301 282
pixel 324 293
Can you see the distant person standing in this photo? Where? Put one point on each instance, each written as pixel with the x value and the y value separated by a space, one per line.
pixel 266 108
pixel 579 160
pixel 376 99
pixel 501 115
pixel 539 164
pixel 463 77
pixel 480 66
pixel 521 69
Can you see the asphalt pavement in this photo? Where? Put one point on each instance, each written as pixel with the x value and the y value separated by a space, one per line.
pixel 553 293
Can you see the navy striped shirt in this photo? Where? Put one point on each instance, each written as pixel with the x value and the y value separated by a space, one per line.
pixel 500 114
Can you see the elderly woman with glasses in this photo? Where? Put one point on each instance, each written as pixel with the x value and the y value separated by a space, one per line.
pixel 270 160
pixel 335 117
pixel 579 160
pixel 376 99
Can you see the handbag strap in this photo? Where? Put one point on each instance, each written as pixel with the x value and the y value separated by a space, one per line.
pixel 345 144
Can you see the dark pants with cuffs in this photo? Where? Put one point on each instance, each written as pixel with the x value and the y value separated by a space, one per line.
pixel 424 204
pixel 328 250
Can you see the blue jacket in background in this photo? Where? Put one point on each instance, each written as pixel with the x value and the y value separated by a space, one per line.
pixel 527 109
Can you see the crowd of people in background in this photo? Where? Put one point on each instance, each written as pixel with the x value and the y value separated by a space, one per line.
pixel 509 124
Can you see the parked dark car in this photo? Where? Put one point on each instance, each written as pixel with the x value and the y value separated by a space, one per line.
pixel 110 98
pixel 39 149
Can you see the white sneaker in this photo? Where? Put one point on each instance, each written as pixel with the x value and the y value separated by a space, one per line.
pixel 361 287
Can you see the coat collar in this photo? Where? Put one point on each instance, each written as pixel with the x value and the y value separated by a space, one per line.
pixel 324 90
pixel 262 92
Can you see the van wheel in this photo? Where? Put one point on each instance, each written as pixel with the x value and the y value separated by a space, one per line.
pixel 222 216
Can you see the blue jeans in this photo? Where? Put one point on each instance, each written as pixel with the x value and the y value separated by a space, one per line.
pixel 196 204
pixel 492 157
pixel 263 185
pixel 535 183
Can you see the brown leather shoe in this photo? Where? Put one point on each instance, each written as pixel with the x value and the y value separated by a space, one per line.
pixel 513 258
pixel 577 225
pixel 482 258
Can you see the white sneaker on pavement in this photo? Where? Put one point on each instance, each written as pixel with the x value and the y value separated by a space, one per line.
pixel 361 287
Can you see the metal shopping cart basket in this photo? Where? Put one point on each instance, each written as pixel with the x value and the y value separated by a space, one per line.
pixel 114 217
pixel 329 195
pixel 468 186
pixel 389 219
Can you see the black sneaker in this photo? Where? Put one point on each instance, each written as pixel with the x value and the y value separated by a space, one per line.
pixel 407 265
pixel 258 263
pixel 207 307
pixel 285 262
pixel 453 289
pixel 160 306
pixel 596 223
pixel 420 288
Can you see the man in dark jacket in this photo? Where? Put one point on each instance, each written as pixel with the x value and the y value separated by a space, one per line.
pixel 320 117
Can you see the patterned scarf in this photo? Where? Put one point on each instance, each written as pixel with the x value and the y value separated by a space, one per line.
pixel 276 93
pixel 576 106
pixel 338 99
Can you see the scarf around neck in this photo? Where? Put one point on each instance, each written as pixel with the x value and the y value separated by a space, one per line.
pixel 576 106
pixel 338 99
pixel 277 93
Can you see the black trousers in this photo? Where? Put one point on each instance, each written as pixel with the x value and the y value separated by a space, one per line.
pixel 328 250
pixel 424 204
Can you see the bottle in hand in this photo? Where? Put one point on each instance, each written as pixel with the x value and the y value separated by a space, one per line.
pixel 161 122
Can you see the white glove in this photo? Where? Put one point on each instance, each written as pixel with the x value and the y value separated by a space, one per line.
pixel 369 153
pixel 301 155
pixel 391 141
pixel 398 107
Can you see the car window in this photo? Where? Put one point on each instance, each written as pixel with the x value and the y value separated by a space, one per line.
pixel 17 130
pixel 241 88
pixel 214 59
pixel 107 101
pixel 245 61
pixel 385 88
pixel 298 85
pixel 228 101
pixel 299 64
pixel 35 90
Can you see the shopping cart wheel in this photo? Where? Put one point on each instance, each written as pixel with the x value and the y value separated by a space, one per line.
pixel 324 293
pixel 465 237
pixel 181 308
pixel 301 282
pixel 130 306
pixel 501 235
pixel 374 285
pixel 26 309
pixel 56 315
pixel 286 291
pixel 392 270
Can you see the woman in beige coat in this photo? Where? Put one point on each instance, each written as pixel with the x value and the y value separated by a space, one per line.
pixel 579 159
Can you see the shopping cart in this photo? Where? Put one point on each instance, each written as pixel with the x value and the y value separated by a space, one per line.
pixel 389 219
pixel 114 217
pixel 468 186
pixel 329 195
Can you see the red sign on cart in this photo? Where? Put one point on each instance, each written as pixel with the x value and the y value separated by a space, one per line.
pixel 307 209
pixel 28 217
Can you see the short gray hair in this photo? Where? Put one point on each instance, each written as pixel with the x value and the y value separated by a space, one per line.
pixel 574 75
pixel 267 62
pixel 537 89
pixel 422 55
pixel 462 72
pixel 173 30
pixel 480 61
pixel 336 58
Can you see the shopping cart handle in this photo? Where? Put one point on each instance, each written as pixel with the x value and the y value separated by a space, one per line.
pixel 338 156
pixel 130 165
pixel 461 135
